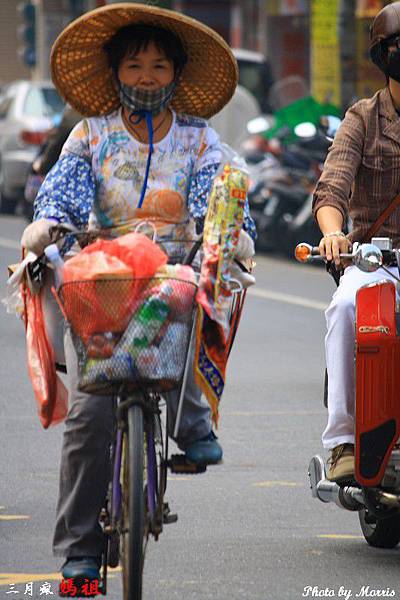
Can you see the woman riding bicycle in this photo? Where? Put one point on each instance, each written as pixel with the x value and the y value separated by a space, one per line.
pixel 146 78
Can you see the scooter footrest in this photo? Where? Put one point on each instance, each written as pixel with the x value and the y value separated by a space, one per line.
pixel 179 464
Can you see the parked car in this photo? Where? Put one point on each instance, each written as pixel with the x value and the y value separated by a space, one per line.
pixel 249 100
pixel 231 122
pixel 47 156
pixel 27 113
pixel 255 75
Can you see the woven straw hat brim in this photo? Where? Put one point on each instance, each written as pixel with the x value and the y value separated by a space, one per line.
pixel 81 72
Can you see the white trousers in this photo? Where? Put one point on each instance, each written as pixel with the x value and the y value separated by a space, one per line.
pixel 340 349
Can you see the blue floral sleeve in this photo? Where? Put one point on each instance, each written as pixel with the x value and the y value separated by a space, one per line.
pixel 68 192
pixel 200 188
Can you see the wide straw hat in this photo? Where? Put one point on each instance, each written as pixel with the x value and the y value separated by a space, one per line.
pixel 81 72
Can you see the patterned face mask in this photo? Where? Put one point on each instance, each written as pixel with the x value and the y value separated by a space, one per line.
pixel 152 101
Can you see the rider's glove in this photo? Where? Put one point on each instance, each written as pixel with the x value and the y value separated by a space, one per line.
pixel 245 246
pixel 37 235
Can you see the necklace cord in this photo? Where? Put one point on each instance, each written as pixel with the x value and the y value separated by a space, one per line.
pixel 131 122
pixel 149 122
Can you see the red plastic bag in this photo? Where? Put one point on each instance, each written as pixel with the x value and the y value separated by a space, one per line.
pixel 135 250
pixel 140 253
pixel 50 392
pixel 102 283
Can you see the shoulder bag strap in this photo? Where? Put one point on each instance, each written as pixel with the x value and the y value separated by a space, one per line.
pixel 381 219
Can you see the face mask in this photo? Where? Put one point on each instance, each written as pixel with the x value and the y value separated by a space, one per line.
pixel 394 65
pixel 153 101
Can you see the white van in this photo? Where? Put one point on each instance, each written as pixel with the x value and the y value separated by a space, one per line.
pixel 255 75
pixel 249 100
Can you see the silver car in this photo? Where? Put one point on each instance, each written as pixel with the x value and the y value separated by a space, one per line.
pixel 28 111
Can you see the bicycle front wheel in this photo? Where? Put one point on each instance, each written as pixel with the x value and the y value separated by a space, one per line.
pixel 133 505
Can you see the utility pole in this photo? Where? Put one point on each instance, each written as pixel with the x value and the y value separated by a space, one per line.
pixel 51 18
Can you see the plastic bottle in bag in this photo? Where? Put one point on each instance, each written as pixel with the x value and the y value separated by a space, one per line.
pixel 142 329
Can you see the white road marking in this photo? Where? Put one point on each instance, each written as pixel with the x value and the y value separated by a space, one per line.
pixel 7 243
pixel 340 536
pixel 270 413
pixel 287 298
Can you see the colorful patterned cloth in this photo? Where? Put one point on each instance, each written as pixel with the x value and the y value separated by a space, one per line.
pixel 221 233
pixel 99 176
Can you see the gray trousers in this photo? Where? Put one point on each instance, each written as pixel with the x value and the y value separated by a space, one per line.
pixel 85 460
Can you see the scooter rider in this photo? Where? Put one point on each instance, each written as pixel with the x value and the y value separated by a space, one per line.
pixel 361 176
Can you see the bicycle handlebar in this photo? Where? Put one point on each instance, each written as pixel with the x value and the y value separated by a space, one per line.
pixel 84 237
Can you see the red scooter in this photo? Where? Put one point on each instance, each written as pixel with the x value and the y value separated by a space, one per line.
pixel 375 491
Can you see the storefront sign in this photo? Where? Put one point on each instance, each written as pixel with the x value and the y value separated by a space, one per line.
pixel 293 7
pixel 277 8
pixel 368 8
pixel 325 53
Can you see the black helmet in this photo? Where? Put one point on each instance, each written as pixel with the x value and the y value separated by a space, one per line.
pixel 386 25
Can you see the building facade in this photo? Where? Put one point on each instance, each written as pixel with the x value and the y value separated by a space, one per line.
pixel 304 38
pixel 225 16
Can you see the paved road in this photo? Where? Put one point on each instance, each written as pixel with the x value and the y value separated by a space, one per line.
pixel 248 529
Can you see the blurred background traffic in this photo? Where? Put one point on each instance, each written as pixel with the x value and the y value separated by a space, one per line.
pixel 301 64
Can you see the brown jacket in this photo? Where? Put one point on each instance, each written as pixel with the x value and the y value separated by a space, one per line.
pixel 362 171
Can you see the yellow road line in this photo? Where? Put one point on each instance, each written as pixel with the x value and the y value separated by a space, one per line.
pixel 14 517
pixel 269 484
pixel 7 579
pixel 10 578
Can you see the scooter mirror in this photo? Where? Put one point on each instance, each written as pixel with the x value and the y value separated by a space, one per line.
pixel 305 130
pixel 368 258
pixel 260 124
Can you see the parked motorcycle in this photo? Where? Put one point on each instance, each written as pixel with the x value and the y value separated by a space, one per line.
pixel 282 178
pixel 375 491
pixel 284 169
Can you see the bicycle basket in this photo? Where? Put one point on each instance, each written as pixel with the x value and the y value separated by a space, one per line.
pixel 142 344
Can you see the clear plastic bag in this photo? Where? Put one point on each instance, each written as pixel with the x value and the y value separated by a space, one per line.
pixel 13 301
pixel 222 227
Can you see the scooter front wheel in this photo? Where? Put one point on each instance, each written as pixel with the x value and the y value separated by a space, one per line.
pixel 380 533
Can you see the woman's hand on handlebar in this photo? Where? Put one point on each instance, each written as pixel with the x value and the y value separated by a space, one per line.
pixel 37 235
pixel 333 244
pixel 43 232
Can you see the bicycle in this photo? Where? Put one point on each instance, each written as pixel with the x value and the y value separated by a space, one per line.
pixel 135 507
